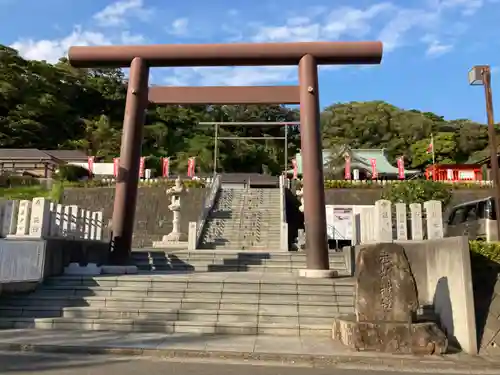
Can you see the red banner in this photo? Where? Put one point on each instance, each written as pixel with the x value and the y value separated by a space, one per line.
pixel 116 162
pixel 165 167
pixel 191 167
pixel 373 162
pixel 295 169
pixel 142 164
pixel 90 162
pixel 347 170
pixel 401 168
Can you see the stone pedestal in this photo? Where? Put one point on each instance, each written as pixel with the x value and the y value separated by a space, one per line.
pixel 175 239
pixel 386 306
pixel 390 337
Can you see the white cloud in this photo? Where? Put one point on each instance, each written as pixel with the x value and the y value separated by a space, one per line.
pixel 53 50
pixel 116 14
pixel 179 27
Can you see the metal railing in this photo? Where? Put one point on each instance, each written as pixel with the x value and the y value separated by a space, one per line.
pixel 283 221
pixel 208 204
pixel 242 210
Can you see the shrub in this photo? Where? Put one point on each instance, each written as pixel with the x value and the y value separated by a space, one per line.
pixel 417 191
pixel 71 173
pixel 489 250
pixel 8 181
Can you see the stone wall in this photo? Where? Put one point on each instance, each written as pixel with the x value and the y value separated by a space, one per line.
pixel 370 196
pixel 153 218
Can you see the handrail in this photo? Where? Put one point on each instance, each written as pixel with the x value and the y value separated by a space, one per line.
pixel 282 199
pixel 283 221
pixel 242 208
pixel 208 203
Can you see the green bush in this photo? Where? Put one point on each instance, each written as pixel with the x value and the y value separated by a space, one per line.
pixel 71 173
pixel 489 250
pixel 8 181
pixel 23 192
pixel 417 191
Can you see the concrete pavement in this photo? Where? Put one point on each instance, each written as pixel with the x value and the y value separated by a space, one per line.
pixel 297 351
pixel 71 364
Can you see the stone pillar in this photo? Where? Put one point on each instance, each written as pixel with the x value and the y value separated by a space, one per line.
pixel 40 218
pixel 434 216
pixel 9 221
pixel 56 227
pixel 66 221
pixel 87 222
pixel 98 225
pixel 367 227
pixel 383 221
pixel 73 227
pixel 401 222
pixel 23 218
pixel 416 222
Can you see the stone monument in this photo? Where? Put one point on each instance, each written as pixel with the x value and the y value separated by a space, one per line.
pixel 175 238
pixel 386 307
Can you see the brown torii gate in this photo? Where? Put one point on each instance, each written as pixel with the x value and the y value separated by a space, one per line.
pixel 307 55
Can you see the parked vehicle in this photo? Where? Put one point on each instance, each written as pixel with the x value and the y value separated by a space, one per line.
pixel 475 219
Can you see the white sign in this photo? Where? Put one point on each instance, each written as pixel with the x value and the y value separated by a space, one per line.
pixel 339 222
pixel 342 223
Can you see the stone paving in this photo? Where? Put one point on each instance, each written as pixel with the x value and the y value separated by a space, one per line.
pixel 294 350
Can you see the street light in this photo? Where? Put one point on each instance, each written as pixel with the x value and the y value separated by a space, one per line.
pixel 481 75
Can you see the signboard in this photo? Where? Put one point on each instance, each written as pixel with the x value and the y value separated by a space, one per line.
pixel 339 222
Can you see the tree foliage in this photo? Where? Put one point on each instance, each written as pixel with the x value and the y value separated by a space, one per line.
pixel 50 106
pixel 402 133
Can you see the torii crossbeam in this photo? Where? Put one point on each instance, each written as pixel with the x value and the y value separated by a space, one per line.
pixel 307 55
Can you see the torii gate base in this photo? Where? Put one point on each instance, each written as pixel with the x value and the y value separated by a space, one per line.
pixel 307 55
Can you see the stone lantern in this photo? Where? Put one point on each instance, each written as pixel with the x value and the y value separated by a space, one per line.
pixel 175 237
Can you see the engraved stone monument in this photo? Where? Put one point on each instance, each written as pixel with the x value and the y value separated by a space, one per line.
pixel 401 222
pixel 383 221
pixel 23 218
pixel 417 232
pixel 40 218
pixel 434 215
pixel 9 220
pixel 386 307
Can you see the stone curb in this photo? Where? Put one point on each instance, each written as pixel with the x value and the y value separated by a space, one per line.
pixel 478 364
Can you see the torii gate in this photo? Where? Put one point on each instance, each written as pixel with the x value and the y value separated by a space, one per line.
pixel 307 55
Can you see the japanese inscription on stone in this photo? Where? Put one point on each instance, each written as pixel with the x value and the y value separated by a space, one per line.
pixel 385 288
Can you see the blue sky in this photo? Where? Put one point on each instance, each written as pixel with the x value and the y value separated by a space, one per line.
pixel 429 44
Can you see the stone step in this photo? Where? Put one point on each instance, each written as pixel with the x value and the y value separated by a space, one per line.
pixel 233 254
pixel 235 266
pixel 210 256
pixel 229 280
pixel 193 301
pixel 206 315
pixel 257 262
pixel 218 290
pixel 340 272
pixel 209 292
pixel 147 325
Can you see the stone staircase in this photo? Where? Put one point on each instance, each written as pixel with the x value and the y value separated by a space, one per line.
pixel 267 299
pixel 244 219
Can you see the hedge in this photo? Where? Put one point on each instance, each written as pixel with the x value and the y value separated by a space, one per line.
pixel 380 184
pixel 488 250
